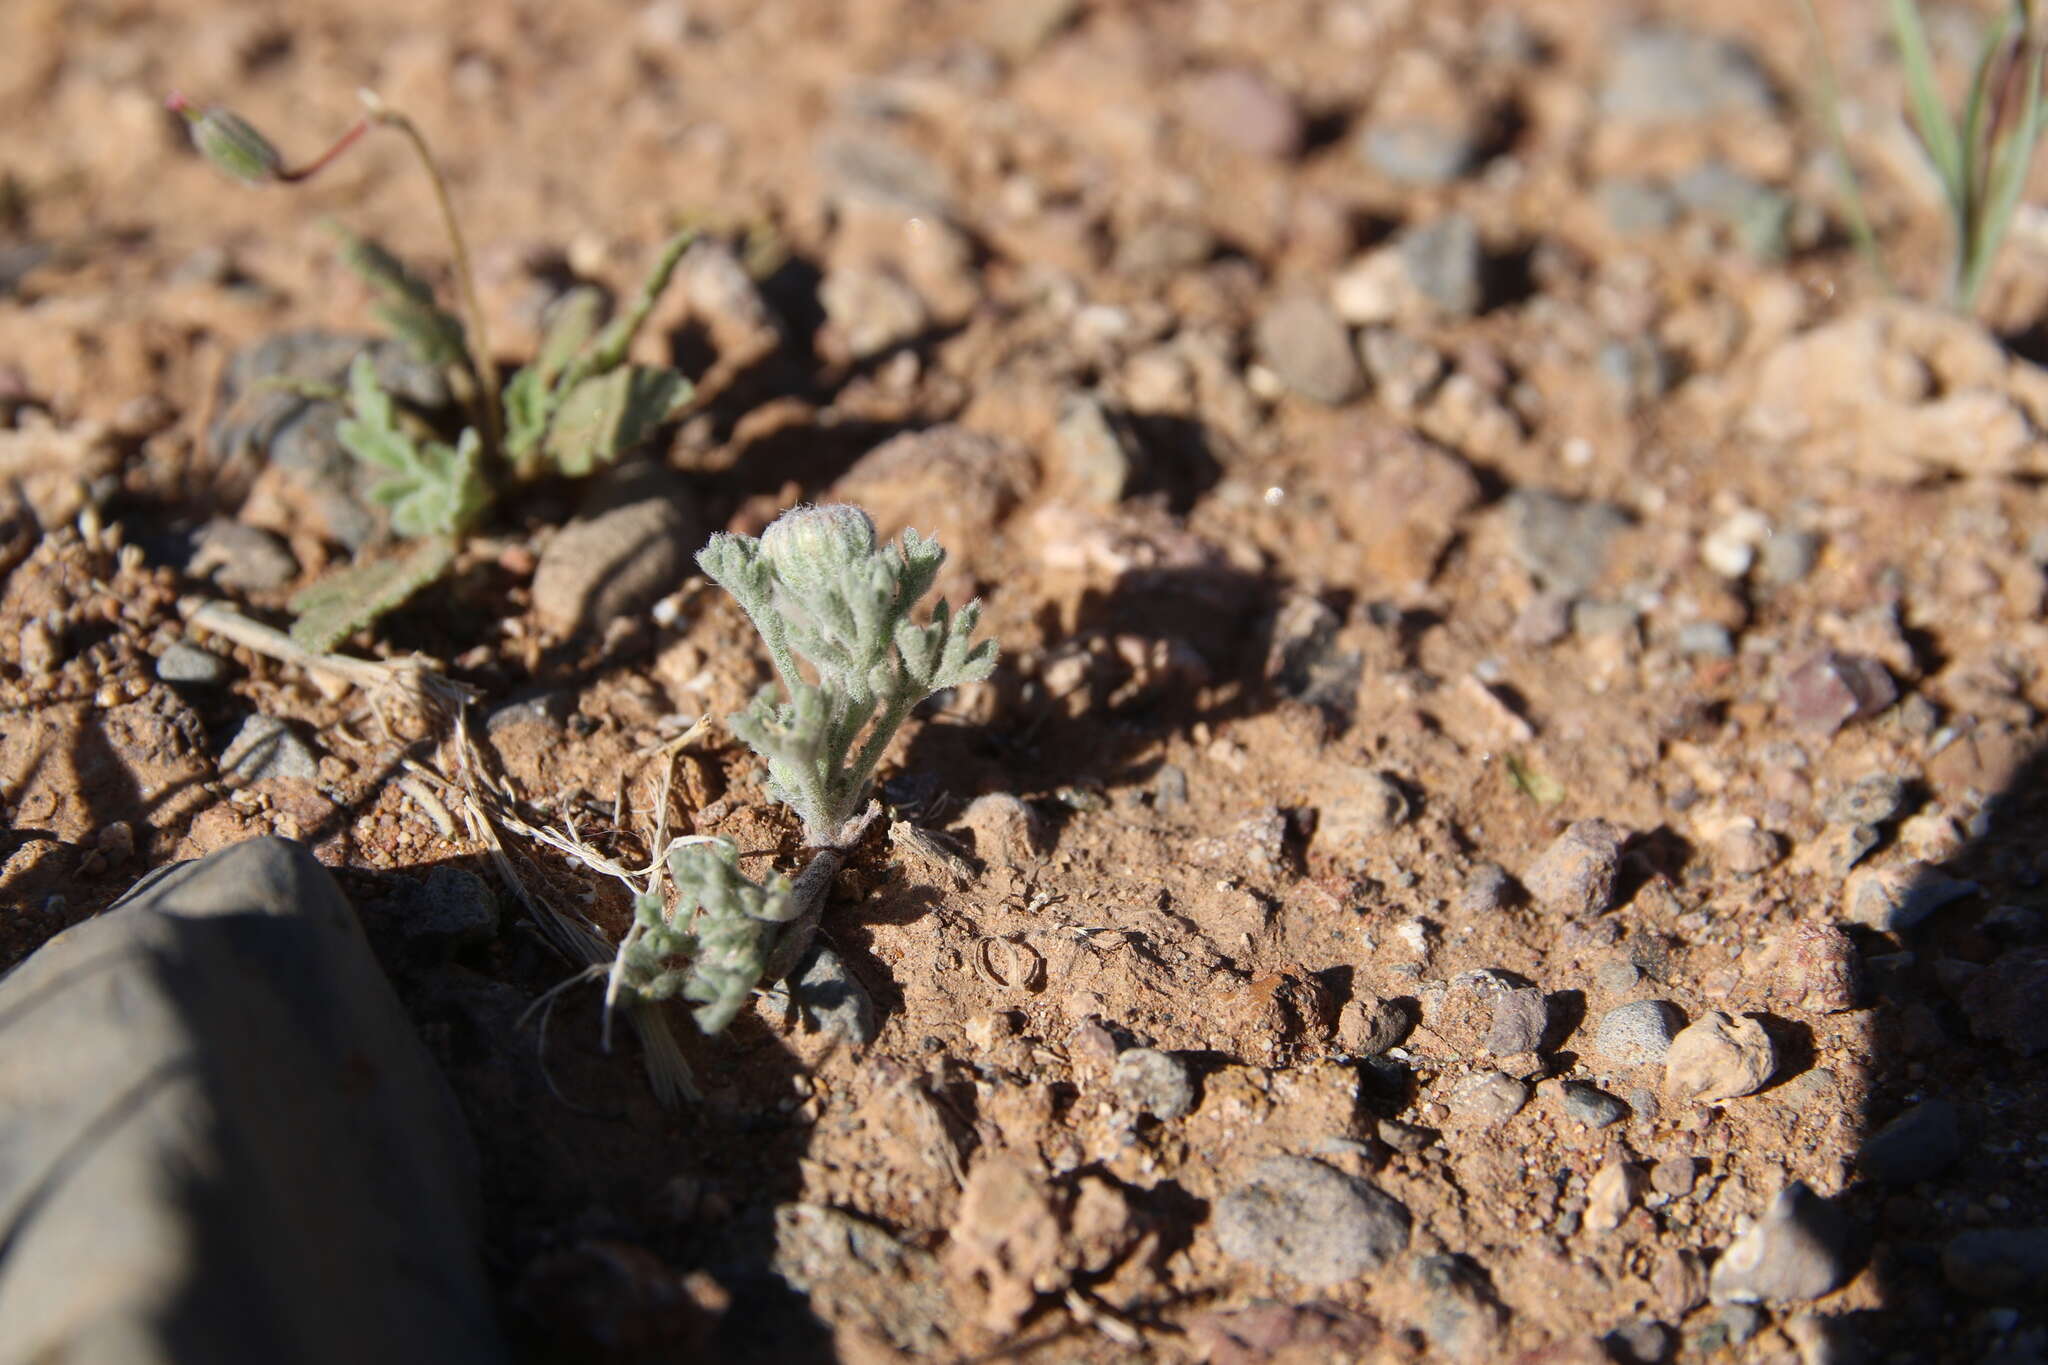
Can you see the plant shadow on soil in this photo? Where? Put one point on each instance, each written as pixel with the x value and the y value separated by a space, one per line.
pixel 1937 992
pixel 596 1198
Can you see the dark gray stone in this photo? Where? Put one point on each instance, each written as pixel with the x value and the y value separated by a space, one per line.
pixel 1917 1145
pixel 1591 1105
pixel 223 1141
pixel 1310 1221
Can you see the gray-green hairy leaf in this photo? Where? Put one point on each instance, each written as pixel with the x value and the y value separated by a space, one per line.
pixel 349 599
pixel 431 488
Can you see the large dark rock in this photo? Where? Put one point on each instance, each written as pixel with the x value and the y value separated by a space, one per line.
pixel 220 1139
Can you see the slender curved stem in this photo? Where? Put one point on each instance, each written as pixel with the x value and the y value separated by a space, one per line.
pixel 484 363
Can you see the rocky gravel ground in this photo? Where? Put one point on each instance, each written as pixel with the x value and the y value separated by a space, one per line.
pixel 1509 824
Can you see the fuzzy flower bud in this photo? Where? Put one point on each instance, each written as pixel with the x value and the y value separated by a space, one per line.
pixel 816 545
pixel 232 143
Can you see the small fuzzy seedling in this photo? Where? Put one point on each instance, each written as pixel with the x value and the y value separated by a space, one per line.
pixel 713 945
pixel 821 591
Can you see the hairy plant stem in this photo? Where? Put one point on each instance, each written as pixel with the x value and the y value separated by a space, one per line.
pixel 807 896
pixel 484 379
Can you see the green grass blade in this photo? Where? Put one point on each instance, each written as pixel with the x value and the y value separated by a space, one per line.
pixel 1938 131
pixel 2011 163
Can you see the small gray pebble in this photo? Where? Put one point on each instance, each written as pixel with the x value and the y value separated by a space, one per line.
pixel 187 663
pixel 1705 640
pixel 1637 1034
pixel 1310 1222
pixel 1417 151
pixel 1787 557
pixel 1591 1105
pixel 245 558
pixel 1664 72
pixel 1576 874
pixel 1564 542
pixel 266 747
pixel 1642 1102
pixel 1446 264
pixel 1169 786
pixel 834 997
pixel 1487 890
pixel 1153 1082
pixel 1301 339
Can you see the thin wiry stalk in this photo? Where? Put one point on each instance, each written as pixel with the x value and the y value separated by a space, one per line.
pixel 1828 95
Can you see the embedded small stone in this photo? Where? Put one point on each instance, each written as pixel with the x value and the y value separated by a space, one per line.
pixel 1891 899
pixel 1310 1221
pixel 1719 1057
pixel 188 663
pixel 1575 875
pixel 1638 1033
pixel 1487 1098
pixel 1612 1192
pixel 1366 1027
pixel 1486 1012
pixel 1744 850
pixel 1794 1252
pixel 1873 800
pixel 1831 689
pixel 1820 970
pixel 1153 1082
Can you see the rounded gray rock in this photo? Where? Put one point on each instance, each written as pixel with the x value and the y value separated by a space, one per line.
pixel 1637 1034
pixel 1153 1082
pixel 1310 1222
pixel 187 663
